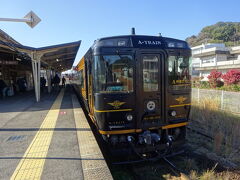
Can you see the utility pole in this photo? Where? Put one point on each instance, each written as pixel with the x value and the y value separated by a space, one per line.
pixel 31 19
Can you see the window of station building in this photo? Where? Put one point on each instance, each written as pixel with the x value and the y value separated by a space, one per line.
pixel 178 72
pixel 220 57
pixel 209 59
pixel 195 64
pixel 150 73
pixel 113 73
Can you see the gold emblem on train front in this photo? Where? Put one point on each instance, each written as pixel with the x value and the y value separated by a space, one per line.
pixel 180 99
pixel 116 104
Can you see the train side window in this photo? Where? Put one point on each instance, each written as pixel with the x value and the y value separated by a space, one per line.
pixel 178 68
pixel 178 72
pixel 150 73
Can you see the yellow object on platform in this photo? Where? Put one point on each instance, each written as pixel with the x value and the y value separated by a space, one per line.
pixel 32 163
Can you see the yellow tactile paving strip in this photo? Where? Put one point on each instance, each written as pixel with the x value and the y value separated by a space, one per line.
pixel 32 163
pixel 93 163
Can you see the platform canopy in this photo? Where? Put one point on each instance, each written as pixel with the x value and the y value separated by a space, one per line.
pixel 60 57
pixel 57 58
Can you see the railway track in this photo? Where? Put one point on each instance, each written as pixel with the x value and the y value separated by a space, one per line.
pixel 200 133
pixel 158 169
pixel 176 170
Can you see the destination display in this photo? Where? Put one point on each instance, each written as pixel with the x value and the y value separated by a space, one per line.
pixel 148 42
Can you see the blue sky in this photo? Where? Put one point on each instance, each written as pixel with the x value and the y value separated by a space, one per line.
pixel 66 21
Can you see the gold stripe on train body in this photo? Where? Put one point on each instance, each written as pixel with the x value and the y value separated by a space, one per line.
pixel 179 105
pixel 113 110
pixel 126 131
pixel 174 125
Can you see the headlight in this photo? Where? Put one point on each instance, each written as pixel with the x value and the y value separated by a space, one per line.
pixel 173 113
pixel 129 117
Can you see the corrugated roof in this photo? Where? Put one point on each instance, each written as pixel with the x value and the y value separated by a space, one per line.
pixel 5 37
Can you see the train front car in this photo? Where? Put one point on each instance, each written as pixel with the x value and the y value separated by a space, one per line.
pixel 141 93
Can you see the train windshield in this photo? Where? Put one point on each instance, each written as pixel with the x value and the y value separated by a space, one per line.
pixel 113 73
pixel 178 72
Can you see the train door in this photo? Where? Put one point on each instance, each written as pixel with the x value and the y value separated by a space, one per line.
pixel 150 90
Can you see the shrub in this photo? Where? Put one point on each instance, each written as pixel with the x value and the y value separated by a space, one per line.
pixel 204 84
pixel 215 78
pixel 236 87
pixel 231 77
pixel 233 87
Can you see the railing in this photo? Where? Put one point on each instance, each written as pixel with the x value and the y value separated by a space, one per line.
pixel 227 100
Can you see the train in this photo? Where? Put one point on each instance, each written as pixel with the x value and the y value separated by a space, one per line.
pixel 136 90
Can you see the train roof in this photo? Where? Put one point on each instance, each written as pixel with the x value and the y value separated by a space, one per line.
pixel 140 41
pixel 137 36
pixel 137 41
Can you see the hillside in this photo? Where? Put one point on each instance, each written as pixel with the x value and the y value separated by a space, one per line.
pixel 222 32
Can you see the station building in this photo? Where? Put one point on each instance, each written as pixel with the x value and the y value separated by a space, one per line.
pixel 24 64
pixel 207 57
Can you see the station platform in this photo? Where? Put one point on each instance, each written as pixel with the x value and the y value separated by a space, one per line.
pixel 50 139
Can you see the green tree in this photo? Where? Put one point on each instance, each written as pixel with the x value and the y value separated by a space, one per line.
pixel 221 32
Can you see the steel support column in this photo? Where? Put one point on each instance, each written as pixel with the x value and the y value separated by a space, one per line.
pixel 38 76
pixel 49 79
pixel 36 67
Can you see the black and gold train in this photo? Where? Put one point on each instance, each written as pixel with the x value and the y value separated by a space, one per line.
pixel 137 91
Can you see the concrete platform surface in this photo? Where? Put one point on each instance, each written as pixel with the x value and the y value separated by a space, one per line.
pixel 41 140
